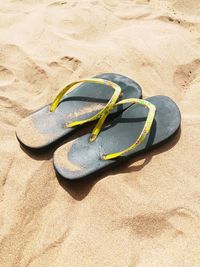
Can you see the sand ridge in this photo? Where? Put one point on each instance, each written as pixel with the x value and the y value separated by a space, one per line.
pixel 144 213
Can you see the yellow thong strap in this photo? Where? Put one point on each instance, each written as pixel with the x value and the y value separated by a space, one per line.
pixel 145 130
pixel 101 115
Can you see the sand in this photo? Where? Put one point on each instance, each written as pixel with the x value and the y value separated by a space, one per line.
pixel 145 213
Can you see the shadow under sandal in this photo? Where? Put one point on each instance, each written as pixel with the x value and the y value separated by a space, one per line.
pixel 139 128
pixel 85 103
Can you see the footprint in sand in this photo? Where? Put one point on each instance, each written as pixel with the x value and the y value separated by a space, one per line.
pixel 71 63
pixel 74 62
pixel 186 74
pixel 176 222
pixel 6 76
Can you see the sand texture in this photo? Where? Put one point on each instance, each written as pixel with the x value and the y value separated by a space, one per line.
pixel 145 213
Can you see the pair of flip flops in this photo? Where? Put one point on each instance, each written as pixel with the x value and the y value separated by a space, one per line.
pixel 135 125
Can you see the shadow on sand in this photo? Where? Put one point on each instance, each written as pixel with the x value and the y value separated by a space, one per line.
pixel 80 188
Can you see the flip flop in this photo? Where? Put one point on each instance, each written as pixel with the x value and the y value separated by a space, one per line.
pixel 85 103
pixel 81 157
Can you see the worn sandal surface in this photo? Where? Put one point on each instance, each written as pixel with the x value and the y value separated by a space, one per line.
pixel 142 126
pixel 83 104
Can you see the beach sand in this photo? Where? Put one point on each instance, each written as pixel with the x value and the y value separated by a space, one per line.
pixel 145 213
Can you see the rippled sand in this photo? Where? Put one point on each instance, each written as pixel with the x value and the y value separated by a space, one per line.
pixel 145 213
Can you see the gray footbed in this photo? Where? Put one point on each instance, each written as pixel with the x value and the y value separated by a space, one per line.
pixel 42 128
pixel 81 158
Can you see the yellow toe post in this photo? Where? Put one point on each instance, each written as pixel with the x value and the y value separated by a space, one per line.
pixel 100 123
pixel 145 130
pixel 101 115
